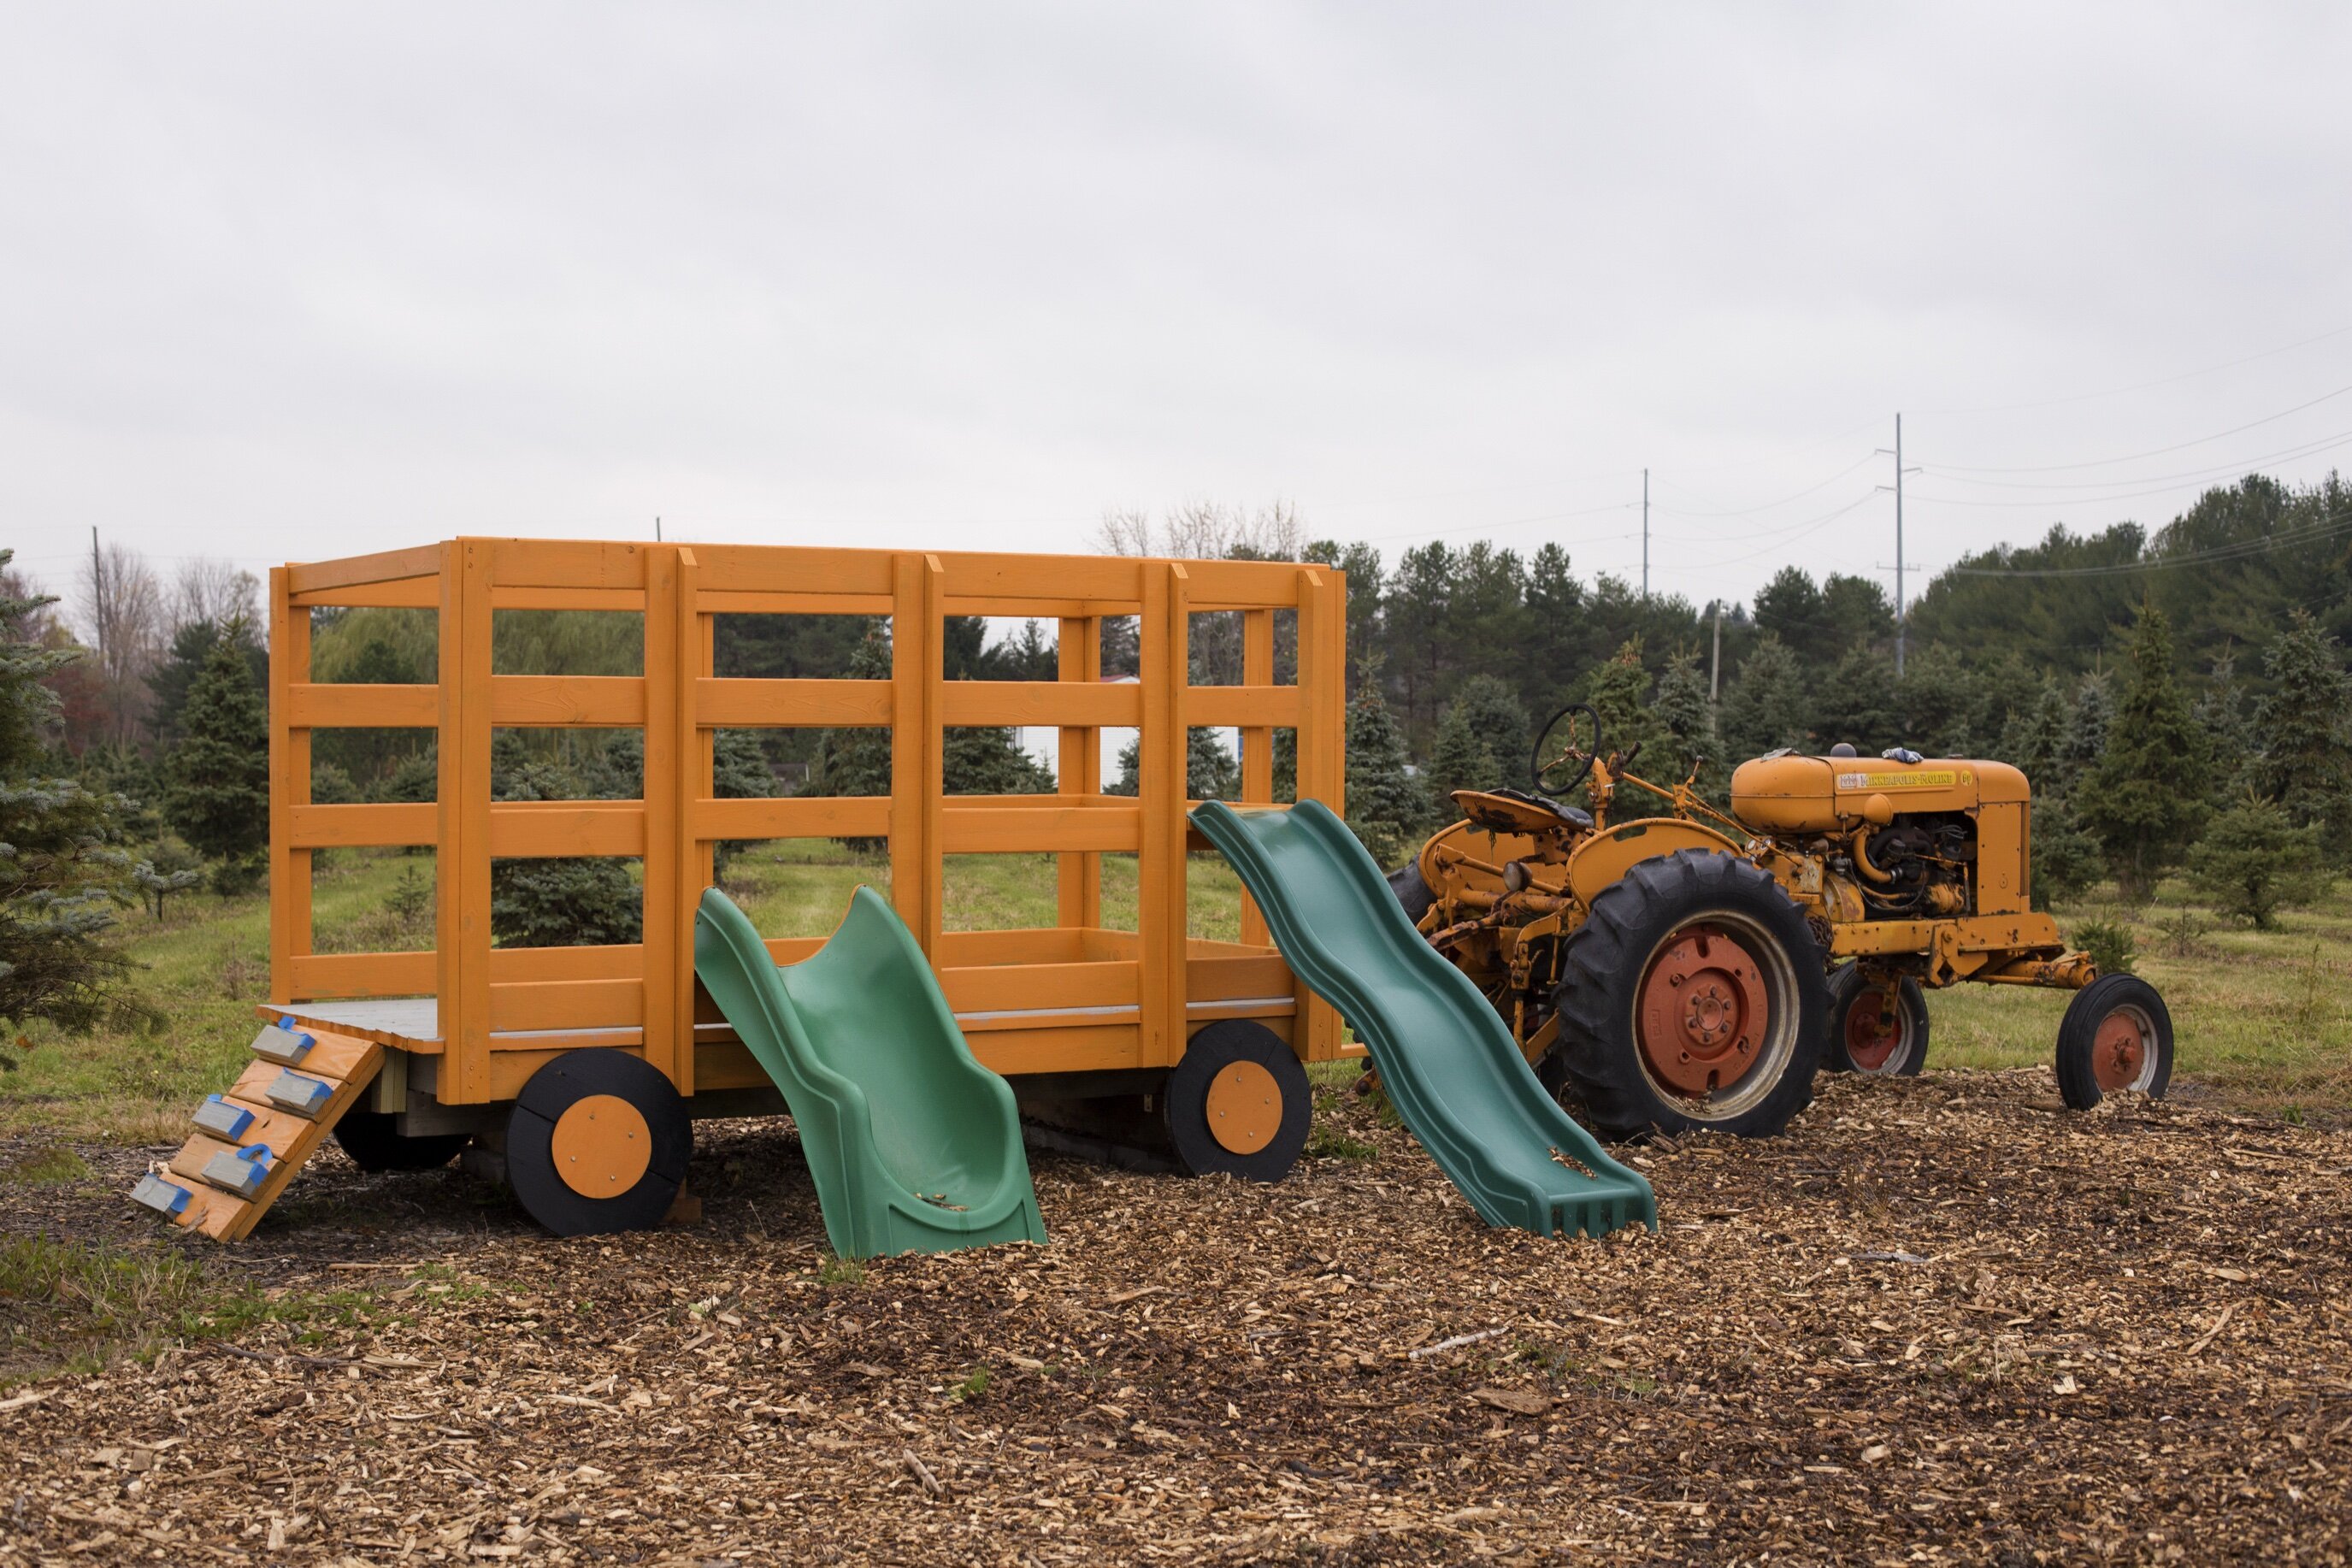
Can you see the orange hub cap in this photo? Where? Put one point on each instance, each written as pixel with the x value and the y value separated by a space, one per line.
pixel 1872 1029
pixel 2119 1052
pixel 602 1146
pixel 1244 1108
pixel 1703 1011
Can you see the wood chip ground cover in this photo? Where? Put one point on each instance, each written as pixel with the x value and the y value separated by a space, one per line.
pixel 1937 1323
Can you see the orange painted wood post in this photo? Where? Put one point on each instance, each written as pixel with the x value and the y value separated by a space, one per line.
pixel 1159 790
pixel 916 676
pixel 289 786
pixel 1257 747
pixel 462 854
pixel 1322 724
pixel 667 751
pixel 1079 756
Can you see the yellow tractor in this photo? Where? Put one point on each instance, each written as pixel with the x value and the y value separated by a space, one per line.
pixel 1692 968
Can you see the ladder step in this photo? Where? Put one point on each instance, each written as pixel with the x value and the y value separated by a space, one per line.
pixel 240 1171
pixel 164 1198
pixel 305 1097
pixel 223 1117
pixel 282 1043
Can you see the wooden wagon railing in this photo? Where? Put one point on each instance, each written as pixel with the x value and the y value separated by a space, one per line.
pixel 1073 997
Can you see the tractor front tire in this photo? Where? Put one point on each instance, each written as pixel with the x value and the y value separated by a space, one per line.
pixel 1692 998
pixel 2116 1037
pixel 1871 1032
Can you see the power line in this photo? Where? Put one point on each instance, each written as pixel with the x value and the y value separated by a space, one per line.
pixel 2158 451
pixel 2238 549
pixel 2144 385
pixel 1768 506
pixel 2285 455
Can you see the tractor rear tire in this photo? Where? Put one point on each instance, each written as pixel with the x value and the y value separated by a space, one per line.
pixel 1860 1039
pixel 1692 999
pixel 2116 1037
pixel 1411 889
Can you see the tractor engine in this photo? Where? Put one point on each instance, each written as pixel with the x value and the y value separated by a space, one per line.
pixel 1915 840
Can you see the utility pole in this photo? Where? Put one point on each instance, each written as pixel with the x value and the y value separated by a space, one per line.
pixel 1899 471
pixel 1898 545
pixel 657 530
pixel 1714 665
pixel 1645 534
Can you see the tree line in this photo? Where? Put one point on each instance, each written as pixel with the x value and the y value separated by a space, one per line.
pixel 2179 699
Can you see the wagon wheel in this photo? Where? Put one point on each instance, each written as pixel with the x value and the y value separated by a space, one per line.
pixel 2116 1037
pixel 1239 1102
pixel 598 1141
pixel 372 1140
pixel 1877 1027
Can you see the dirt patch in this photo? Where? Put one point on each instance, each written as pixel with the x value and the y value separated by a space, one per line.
pixel 1936 1321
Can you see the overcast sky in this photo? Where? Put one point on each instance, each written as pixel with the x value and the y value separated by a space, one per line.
pixel 297 281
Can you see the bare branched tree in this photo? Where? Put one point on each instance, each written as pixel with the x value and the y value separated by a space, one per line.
pixel 211 590
pixel 122 618
pixel 1204 531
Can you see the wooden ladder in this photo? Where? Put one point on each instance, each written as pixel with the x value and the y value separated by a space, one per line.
pixel 247 1144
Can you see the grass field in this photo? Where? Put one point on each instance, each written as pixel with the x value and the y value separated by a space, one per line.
pixel 2264 1015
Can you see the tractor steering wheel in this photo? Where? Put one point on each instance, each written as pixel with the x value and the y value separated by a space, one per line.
pixel 1541 773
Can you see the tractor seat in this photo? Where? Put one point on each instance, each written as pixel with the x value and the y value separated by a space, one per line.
pixel 1516 811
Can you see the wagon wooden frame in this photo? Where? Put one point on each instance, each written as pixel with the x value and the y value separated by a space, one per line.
pixel 467 1022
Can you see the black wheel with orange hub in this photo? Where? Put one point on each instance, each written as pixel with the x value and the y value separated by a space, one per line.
pixel 1692 997
pixel 2116 1037
pixel 1878 1024
pixel 598 1141
pixel 1238 1102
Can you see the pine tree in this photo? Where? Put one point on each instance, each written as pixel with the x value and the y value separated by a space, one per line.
pixel 1619 690
pixel 856 761
pixel 2222 714
pixel 2146 800
pixel 739 771
pixel 1460 758
pixel 2253 859
pixel 2304 726
pixel 65 868
pixel 1386 804
pixel 1211 772
pixel 217 779
pixel 1856 703
pixel 572 900
pixel 2086 727
pixel 2065 858
pixel 1497 720
pixel 2034 738
pixel 1765 706
pixel 1687 719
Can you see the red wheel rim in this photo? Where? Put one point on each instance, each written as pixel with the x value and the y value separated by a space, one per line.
pixel 1703 1011
pixel 1873 1029
pixel 2119 1051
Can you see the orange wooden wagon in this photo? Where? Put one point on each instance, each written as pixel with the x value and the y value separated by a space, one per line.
pixel 435 1042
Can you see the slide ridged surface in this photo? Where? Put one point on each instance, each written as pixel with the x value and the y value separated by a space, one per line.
pixel 1451 1069
pixel 914 1146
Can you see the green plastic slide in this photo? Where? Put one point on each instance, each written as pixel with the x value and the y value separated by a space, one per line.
pixel 914 1145
pixel 1451 1069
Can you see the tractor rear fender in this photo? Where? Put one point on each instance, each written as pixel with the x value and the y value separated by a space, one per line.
pixel 1604 858
pixel 1459 858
